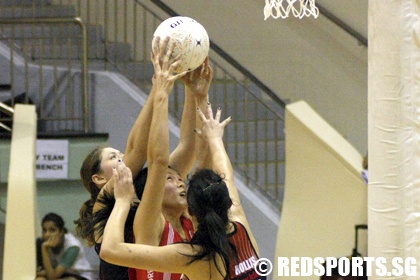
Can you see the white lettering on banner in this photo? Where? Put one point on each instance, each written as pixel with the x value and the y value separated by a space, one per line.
pixel 245 265
pixel 52 159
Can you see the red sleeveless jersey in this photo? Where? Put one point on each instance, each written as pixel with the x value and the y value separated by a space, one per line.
pixel 169 236
pixel 242 267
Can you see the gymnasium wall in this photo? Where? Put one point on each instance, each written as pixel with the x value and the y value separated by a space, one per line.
pixel 61 196
pixel 325 196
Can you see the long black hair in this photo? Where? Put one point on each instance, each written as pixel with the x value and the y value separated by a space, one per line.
pixel 209 201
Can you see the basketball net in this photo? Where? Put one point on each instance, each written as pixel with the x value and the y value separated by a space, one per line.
pixel 282 8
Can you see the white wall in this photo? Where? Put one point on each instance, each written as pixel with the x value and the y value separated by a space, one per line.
pixel 325 196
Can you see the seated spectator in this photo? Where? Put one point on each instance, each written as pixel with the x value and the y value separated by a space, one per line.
pixel 60 254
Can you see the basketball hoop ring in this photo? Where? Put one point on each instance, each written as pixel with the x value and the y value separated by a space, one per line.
pixel 282 8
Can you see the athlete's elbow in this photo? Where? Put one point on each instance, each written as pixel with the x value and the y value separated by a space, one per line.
pixel 107 254
pixel 103 253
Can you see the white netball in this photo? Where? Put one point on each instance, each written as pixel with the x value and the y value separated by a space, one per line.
pixel 190 39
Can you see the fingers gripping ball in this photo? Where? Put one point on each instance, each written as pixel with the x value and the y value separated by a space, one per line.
pixel 190 39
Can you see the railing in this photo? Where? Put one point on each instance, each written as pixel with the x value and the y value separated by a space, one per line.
pixel 8 111
pixel 36 51
pixel 120 34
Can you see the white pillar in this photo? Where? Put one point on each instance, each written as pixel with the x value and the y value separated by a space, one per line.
pixel 394 130
pixel 19 261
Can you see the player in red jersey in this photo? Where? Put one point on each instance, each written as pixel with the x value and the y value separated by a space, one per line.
pixel 222 247
pixel 96 171
pixel 162 217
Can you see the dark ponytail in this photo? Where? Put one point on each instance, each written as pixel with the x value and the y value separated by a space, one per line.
pixel 84 226
pixel 91 165
pixel 209 201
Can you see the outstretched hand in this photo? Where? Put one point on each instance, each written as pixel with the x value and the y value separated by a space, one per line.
pixel 123 182
pixel 164 77
pixel 212 127
pixel 199 80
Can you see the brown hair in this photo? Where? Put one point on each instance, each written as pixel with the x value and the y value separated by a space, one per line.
pixel 91 165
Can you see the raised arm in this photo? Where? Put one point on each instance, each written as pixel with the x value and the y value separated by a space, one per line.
pixel 135 155
pixel 173 258
pixel 197 85
pixel 136 149
pixel 149 220
pixel 114 229
pixel 212 131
